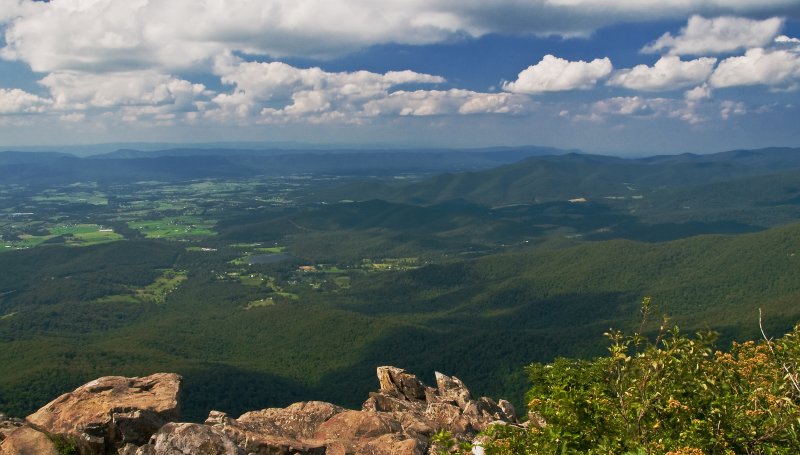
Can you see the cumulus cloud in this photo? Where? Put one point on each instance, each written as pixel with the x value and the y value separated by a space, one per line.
pixel 784 40
pixel 278 89
pixel 12 9
pixel 278 92
pixel 16 101
pixel 717 36
pixel 692 112
pixel 730 108
pixel 628 105
pixel 553 74
pixel 262 92
pixel 78 90
pixel 437 102
pixel 72 117
pixel 170 35
pixel 758 66
pixel 701 92
pixel 668 73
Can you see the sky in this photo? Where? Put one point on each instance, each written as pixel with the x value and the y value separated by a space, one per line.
pixel 626 77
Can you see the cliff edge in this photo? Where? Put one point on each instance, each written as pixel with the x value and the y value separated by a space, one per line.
pixel 139 416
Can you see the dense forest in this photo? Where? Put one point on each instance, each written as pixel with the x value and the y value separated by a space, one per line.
pixel 264 290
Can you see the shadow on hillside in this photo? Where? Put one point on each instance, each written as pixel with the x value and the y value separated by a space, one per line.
pixel 221 387
pixel 488 351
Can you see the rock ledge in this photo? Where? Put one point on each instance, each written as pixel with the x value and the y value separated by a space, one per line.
pixel 137 416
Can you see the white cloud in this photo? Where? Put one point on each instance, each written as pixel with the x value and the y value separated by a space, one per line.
pixel 730 108
pixel 689 111
pixel 16 101
pixel 73 117
pixel 12 9
pixel 437 102
pixel 278 90
pixel 272 92
pixel 668 73
pixel 79 90
pixel 783 39
pixel 758 66
pixel 627 105
pixel 171 35
pixel 701 92
pixel 718 35
pixel 554 74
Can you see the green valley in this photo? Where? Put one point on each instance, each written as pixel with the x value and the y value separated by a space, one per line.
pixel 285 288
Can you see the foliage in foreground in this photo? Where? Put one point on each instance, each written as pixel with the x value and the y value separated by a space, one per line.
pixel 675 394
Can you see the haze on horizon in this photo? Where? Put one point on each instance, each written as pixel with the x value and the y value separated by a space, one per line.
pixel 613 76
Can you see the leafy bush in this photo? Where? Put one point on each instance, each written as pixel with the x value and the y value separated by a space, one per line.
pixel 675 394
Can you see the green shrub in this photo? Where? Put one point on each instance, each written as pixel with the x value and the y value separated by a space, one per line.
pixel 673 395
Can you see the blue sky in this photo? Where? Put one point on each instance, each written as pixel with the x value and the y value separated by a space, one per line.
pixel 611 76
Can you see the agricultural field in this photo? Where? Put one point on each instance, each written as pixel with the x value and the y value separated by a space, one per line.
pixel 155 292
pixel 90 213
pixel 175 228
pixel 63 234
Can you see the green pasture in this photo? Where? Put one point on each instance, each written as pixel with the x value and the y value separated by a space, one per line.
pixel 73 235
pixel 156 292
pixel 72 198
pixel 175 228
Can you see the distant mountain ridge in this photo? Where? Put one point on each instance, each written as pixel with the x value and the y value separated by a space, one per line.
pixel 523 151
pixel 574 175
pixel 188 164
pixel 498 175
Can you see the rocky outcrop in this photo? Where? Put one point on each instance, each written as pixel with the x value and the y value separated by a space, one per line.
pixel 135 416
pixel 109 412
pixel 27 441
pixel 449 406
pixel 8 425
pixel 398 419
pixel 189 438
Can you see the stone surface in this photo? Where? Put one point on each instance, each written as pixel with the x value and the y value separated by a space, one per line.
pixel 300 420
pixel 277 430
pixel 371 433
pixel 392 444
pixel 452 389
pixel 397 382
pixel 27 441
pixel 111 411
pixel 192 439
pixel 128 449
pixel 131 416
pixel 8 425
pixel 508 410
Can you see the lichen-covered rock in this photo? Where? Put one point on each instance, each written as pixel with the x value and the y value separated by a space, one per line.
pixel 392 444
pixel 277 430
pixel 452 389
pixel 191 439
pixel 27 441
pixel 111 411
pixel 371 433
pixel 397 382
pixel 354 426
pixel 300 420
